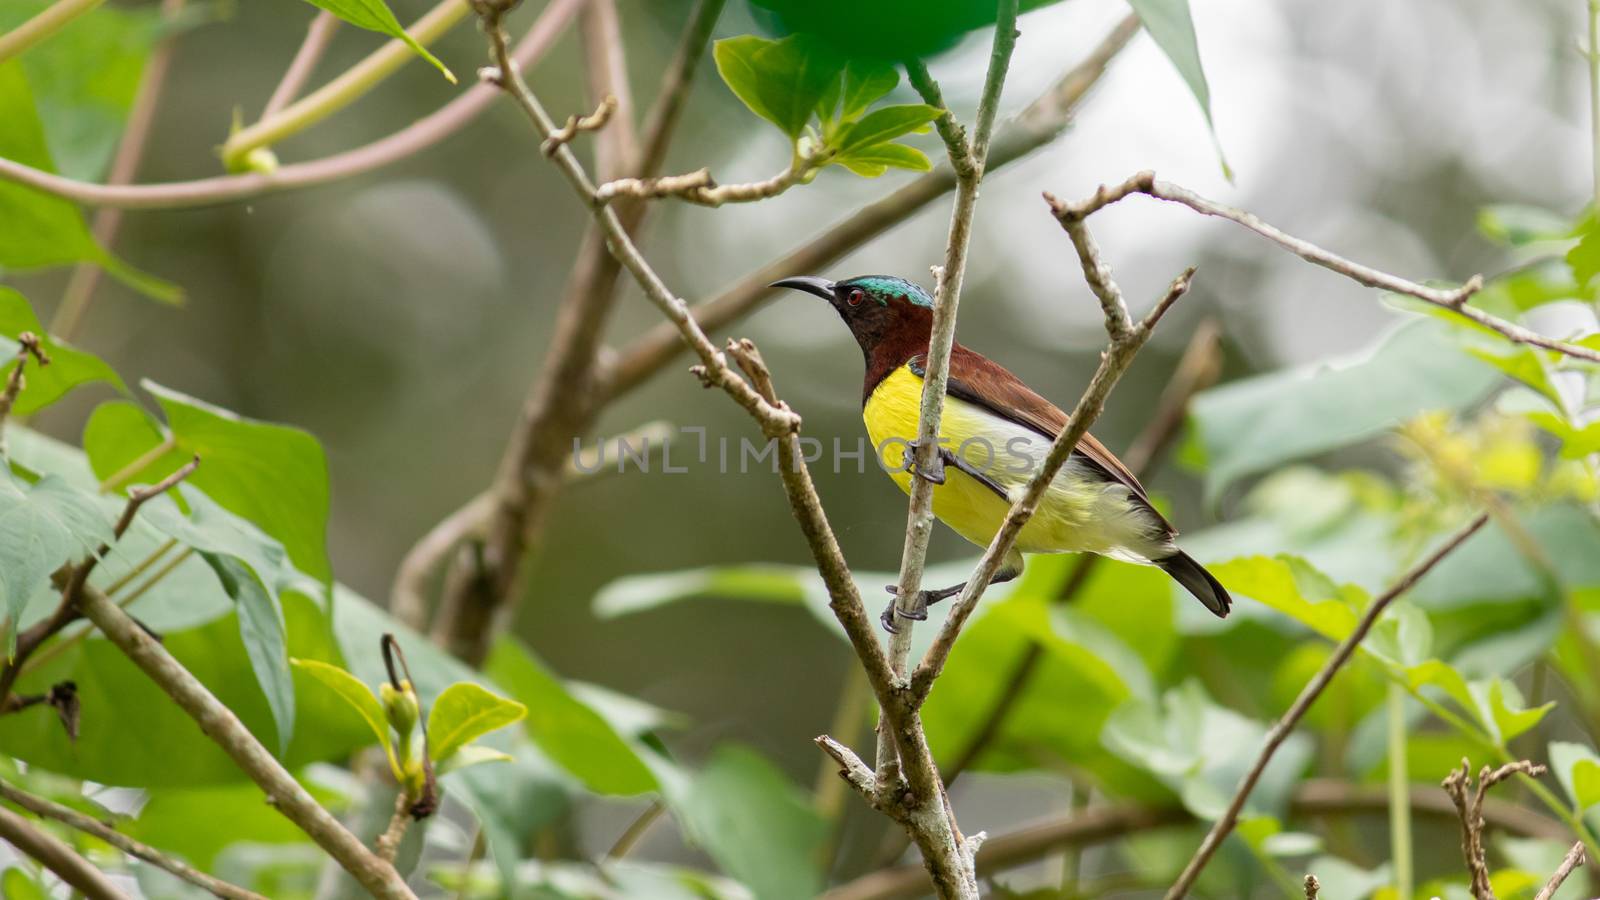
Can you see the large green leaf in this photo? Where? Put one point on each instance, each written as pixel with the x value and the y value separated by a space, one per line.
pixel 1262 422
pixel 15 884
pixel 1293 587
pixel 274 475
pixel 567 730
pixel 780 81
pixel 118 700
pixel 355 693
pixel 1172 28
pixel 38 230
pixel 511 803
pixel 464 712
pixel 752 821
pixel 85 78
pixel 375 15
pixel 69 367
pixel 43 526
pixel 265 637
pixel 1577 767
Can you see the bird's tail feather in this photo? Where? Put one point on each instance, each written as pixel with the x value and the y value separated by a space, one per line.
pixel 1197 581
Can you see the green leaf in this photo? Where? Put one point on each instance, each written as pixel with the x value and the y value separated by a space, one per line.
pixel 472 755
pixel 1586 783
pixel 38 230
pixel 265 637
pixel 69 367
pixel 353 691
pixel 862 83
pixel 511 803
pixel 571 733
pixel 1569 761
pixel 753 822
pixel 1293 587
pixel 375 15
pixel 42 527
pixel 15 884
pixel 780 81
pixel 118 700
pixel 274 475
pixel 870 162
pixel 886 124
pixel 464 712
pixel 1584 257
pixel 85 78
pixel 637 593
pixel 1501 708
pixel 1576 443
pixel 1516 225
pixel 1259 423
pixel 1172 28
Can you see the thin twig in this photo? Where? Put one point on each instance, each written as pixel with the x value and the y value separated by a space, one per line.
pixel 319 34
pixel 345 88
pixel 1573 860
pixel 592 122
pixel 27 345
pixel 1308 695
pixel 409 141
pixel 636 830
pixel 56 856
pixel 89 825
pixel 1313 887
pixel 51 19
pixel 1452 299
pixel 388 843
pixel 1470 811
pixel 699 188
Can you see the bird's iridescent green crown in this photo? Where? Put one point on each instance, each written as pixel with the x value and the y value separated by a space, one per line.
pixel 884 288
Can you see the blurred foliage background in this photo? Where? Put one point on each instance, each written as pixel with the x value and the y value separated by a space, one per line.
pixel 399 317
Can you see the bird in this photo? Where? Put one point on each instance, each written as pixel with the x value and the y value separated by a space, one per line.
pixel 993 435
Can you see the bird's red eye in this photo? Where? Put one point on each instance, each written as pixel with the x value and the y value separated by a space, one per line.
pixel 856 296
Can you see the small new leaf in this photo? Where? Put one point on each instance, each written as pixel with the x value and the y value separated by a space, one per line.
pixel 471 755
pixel 886 124
pixel 375 15
pixel 870 162
pixel 463 713
pixel 356 693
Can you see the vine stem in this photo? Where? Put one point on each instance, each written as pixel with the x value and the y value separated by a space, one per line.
pixel 49 21
pixel 1399 793
pixel 348 87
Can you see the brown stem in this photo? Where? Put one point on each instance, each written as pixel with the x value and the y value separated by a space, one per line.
pixel 57 857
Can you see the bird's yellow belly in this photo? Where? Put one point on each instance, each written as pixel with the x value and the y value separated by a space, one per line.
pixel 1078 513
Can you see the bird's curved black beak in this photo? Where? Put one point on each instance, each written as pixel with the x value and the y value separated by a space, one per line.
pixel 810 284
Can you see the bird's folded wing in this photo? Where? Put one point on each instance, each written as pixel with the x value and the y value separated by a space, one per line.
pixel 981 381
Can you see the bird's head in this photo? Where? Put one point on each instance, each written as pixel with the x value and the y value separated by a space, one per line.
pixel 877 308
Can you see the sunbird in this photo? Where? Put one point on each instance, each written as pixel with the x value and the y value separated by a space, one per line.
pixel 993 436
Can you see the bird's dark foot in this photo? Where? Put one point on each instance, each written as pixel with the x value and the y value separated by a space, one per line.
pixel 917 613
pixel 934 473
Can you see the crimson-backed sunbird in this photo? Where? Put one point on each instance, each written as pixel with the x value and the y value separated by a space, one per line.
pixel 993 436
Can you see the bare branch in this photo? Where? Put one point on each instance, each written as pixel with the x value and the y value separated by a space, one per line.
pixel 592 122
pixel 1471 812
pixel 219 723
pixel 1308 695
pixel 1573 860
pixel 699 188
pixel 388 843
pixel 56 856
pixel 47 22
pixel 39 806
pixel 319 34
pixel 1453 299
pixel 1313 887
pixel 408 141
